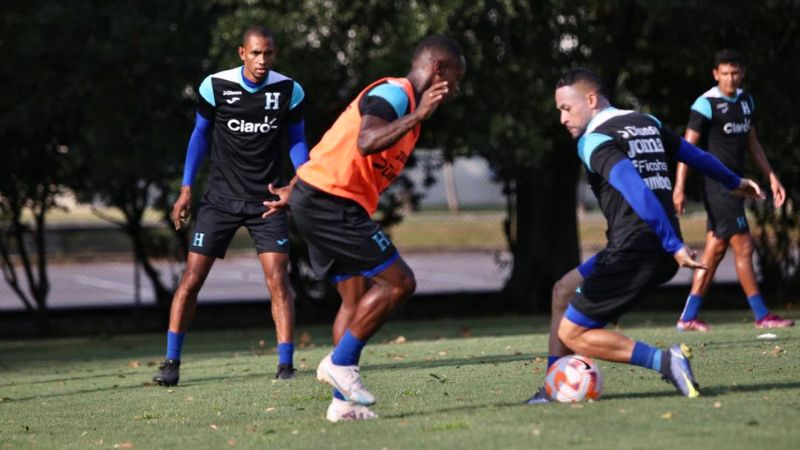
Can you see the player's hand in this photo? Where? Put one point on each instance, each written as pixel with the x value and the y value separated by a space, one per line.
pixel 182 208
pixel 678 201
pixel 778 192
pixel 274 206
pixel 431 99
pixel 685 257
pixel 749 189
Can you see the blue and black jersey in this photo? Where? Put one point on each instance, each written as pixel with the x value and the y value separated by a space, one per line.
pixel 246 121
pixel 724 125
pixel 623 150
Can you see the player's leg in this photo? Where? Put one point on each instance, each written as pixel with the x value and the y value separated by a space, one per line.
pixel 275 266
pixel 392 283
pixel 184 304
pixel 713 253
pixel 271 238
pixel 351 290
pixel 742 245
pixel 585 336
pixel 563 291
pixel 213 232
pixel 618 280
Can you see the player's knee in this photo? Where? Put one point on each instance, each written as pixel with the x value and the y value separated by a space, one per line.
pixel 191 282
pixel 560 296
pixel 719 248
pixel 404 287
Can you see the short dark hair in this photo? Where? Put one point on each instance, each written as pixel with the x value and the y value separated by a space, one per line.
pixel 582 74
pixel 728 56
pixel 440 43
pixel 256 30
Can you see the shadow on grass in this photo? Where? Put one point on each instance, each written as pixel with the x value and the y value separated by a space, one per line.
pixel 459 408
pixel 708 391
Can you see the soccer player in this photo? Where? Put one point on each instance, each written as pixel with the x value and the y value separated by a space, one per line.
pixel 721 120
pixel 336 193
pixel 625 154
pixel 240 115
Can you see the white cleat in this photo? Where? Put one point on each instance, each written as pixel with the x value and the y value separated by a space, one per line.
pixel 346 379
pixel 344 410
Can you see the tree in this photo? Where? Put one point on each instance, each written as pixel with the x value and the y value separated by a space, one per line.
pixel 38 122
pixel 138 118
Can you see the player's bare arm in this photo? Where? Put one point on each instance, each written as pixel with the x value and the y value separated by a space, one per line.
pixel 376 134
pixel 182 207
pixel 760 158
pixel 682 171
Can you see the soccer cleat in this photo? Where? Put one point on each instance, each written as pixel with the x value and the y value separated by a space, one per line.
pixel 692 325
pixel 681 375
pixel 344 410
pixel 774 321
pixel 346 379
pixel 285 372
pixel 168 373
pixel 539 398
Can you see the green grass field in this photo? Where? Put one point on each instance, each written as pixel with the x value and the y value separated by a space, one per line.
pixel 444 384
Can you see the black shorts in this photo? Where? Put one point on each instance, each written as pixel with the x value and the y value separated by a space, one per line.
pixel 618 279
pixel 726 215
pixel 219 218
pixel 342 239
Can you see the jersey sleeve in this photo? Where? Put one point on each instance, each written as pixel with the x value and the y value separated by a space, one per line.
pixel 599 153
pixel 297 104
pixel 699 115
pixel 387 101
pixel 206 104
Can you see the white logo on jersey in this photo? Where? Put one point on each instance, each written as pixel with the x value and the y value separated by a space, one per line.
pixel 227 93
pixel 723 107
pixel 631 131
pixel 733 127
pixel 252 127
pixel 272 100
pixel 639 146
pixel 233 100
pixel 745 108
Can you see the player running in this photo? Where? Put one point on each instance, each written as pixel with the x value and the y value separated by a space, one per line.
pixel 625 154
pixel 721 120
pixel 241 113
pixel 337 192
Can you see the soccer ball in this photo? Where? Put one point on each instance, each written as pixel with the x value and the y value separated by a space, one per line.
pixel 574 378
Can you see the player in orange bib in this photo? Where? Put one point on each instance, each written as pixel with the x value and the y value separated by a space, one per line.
pixel 336 192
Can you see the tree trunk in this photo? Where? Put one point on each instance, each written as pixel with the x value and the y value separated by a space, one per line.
pixel 542 232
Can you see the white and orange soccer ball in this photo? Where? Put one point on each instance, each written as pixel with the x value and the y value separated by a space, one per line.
pixel 574 378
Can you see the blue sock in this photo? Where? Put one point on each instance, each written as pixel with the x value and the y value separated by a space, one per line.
pixel 646 356
pixel 337 394
pixel 757 305
pixel 285 352
pixel 348 351
pixel 551 360
pixel 174 344
pixel 692 308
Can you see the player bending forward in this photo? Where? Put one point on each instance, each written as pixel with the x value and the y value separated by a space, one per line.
pixel 337 192
pixel 625 154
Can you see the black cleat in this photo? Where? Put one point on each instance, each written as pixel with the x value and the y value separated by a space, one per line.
pixel 168 373
pixel 540 398
pixel 285 372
